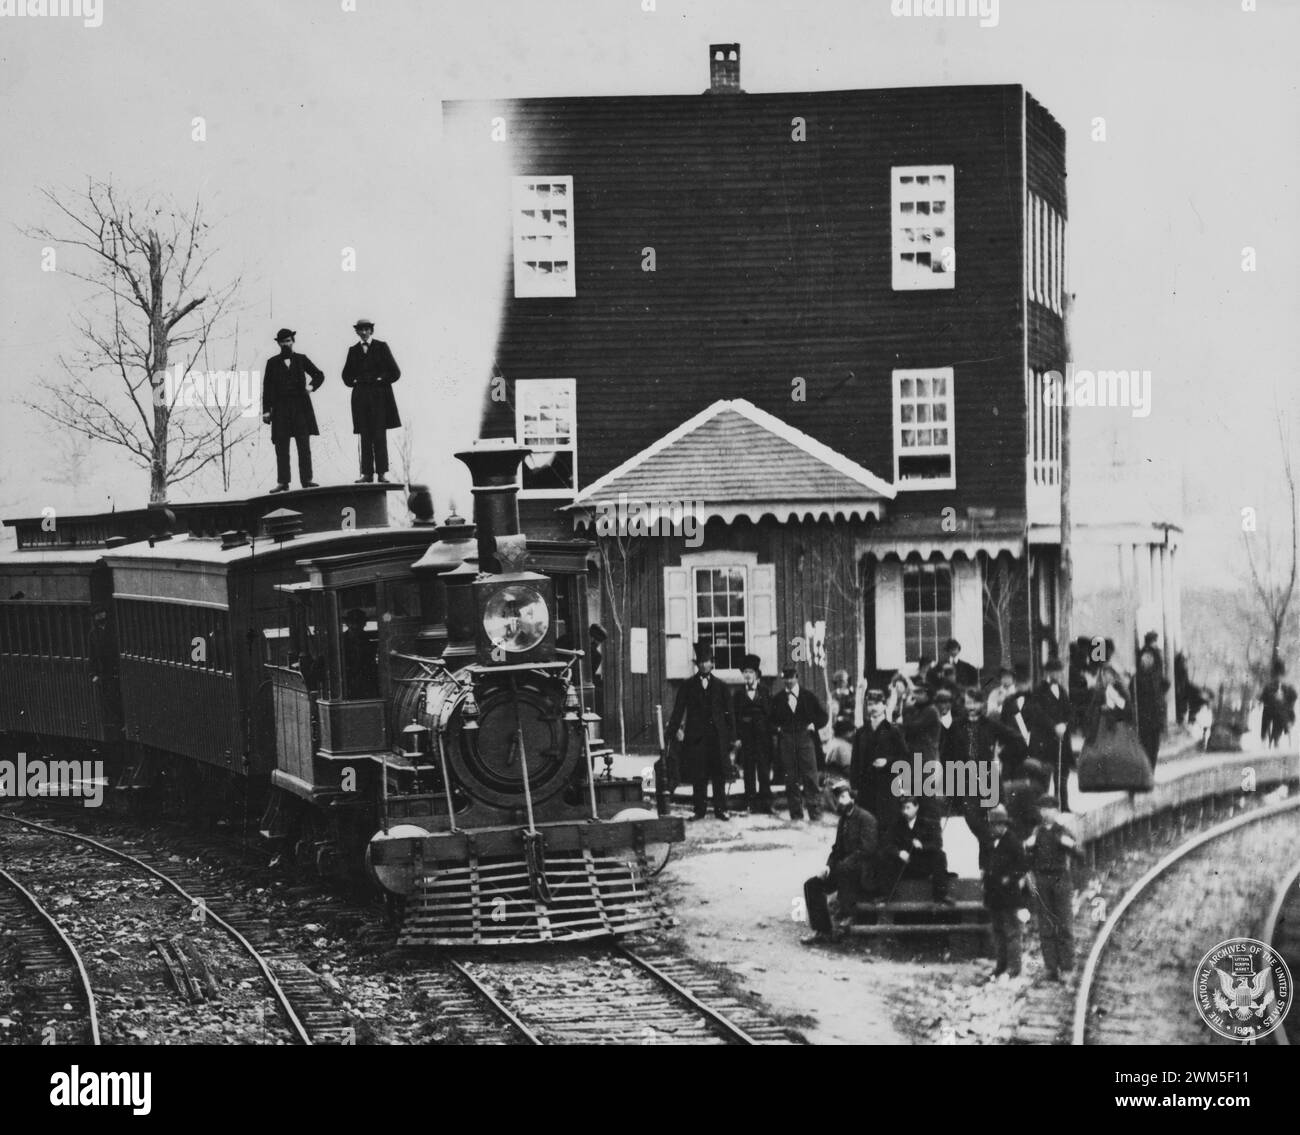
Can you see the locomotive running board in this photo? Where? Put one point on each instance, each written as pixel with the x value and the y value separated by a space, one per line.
pixel 491 903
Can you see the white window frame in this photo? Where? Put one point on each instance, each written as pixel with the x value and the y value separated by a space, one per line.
pixel 949 448
pixel 543 236
pixel 725 564
pixel 527 392
pixel 912 236
pixel 913 567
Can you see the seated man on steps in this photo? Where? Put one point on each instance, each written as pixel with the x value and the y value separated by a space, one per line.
pixel 850 872
pixel 916 840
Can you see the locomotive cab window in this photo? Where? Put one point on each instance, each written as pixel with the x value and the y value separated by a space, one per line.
pixel 357 673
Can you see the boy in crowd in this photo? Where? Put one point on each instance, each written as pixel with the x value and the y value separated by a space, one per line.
pixel 1050 848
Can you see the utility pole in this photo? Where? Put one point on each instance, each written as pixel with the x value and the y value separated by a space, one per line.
pixel 1066 575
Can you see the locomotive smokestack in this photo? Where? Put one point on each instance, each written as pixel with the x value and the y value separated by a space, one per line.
pixel 494 468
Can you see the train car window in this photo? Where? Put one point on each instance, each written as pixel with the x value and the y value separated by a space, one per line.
pixel 6 633
pixel 358 634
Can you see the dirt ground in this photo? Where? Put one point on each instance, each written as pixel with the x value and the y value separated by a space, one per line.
pixel 736 888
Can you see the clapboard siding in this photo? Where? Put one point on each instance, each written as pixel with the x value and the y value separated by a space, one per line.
pixel 773 261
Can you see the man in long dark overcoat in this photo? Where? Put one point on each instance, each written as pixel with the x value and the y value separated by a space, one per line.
pixel 286 405
pixel 878 747
pixel 702 724
pixel 371 370
pixel 751 710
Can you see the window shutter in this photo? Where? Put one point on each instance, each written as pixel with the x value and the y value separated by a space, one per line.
pixel 968 610
pixel 762 616
pixel 891 645
pixel 677 622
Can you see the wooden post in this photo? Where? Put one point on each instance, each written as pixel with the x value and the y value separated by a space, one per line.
pixel 1065 631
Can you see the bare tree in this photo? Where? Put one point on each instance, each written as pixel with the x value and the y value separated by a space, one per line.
pixel 223 402
pixel 615 551
pixel 147 261
pixel 1003 582
pixel 1273 594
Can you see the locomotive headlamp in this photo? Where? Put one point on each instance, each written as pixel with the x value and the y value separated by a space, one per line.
pixel 516 618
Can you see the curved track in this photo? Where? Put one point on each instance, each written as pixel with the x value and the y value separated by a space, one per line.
pixel 50 964
pixel 1119 1009
pixel 1282 932
pixel 196 902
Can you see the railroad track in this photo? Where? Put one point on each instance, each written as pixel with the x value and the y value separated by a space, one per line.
pixel 304 1006
pixel 613 995
pixel 52 987
pixel 1136 985
pixel 1282 932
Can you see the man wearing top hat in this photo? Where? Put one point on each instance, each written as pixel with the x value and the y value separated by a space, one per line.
pixel 1053 698
pixel 371 370
pixel 797 715
pixel 287 407
pixel 702 724
pixel 751 711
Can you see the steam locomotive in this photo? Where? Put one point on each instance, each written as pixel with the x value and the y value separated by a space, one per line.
pixel 401 704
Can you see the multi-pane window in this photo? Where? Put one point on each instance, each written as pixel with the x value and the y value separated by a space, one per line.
pixel 546 422
pixel 1044 254
pixel 176 634
pixel 927 609
pixel 543 237
pixel 924 239
pixel 924 443
pixel 1045 396
pixel 720 613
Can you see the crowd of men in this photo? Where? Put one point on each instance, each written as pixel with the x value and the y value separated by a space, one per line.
pixel 885 835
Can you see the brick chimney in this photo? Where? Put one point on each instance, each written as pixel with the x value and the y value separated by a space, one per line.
pixel 724 69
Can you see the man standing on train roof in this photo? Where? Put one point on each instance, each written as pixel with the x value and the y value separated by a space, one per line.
pixel 287 407
pixel 371 370
pixel 702 723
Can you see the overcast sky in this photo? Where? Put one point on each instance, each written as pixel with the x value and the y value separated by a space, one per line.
pixel 322 133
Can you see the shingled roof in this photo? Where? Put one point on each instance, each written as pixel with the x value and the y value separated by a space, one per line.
pixel 738 460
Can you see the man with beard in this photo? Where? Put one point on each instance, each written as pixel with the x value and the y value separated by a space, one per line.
pixel 878 745
pixel 702 724
pixel 1022 714
pixel 751 709
pixel 850 871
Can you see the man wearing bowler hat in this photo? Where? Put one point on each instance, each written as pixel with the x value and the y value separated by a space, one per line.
pixel 702 724
pixel 371 370
pixel 287 407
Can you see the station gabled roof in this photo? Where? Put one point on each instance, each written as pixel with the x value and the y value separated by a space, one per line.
pixel 732 460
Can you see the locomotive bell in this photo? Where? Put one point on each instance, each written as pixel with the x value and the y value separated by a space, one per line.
pixel 516 618
pixel 415 739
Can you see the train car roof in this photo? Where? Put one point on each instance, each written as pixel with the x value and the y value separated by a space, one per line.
pixel 190 549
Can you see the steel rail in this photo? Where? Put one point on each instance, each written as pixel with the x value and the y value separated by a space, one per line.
pixel 1084 993
pixel 496 1003
pixel 286 1008
pixel 73 952
pixel 1269 935
pixel 734 1031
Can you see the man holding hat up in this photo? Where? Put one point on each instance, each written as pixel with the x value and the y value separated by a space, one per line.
pixel 751 710
pixel 702 724
pixel 371 370
pixel 287 407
